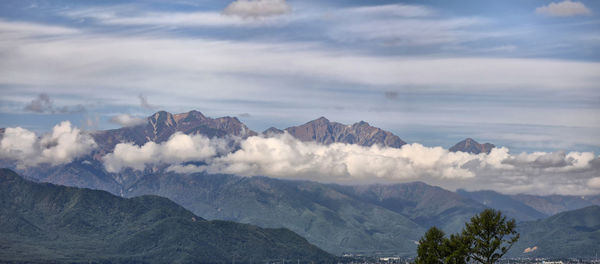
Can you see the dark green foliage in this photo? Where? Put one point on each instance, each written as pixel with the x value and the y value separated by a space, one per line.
pixel 456 249
pixel 490 236
pixel 430 249
pixel 49 223
pixel 434 248
pixel 485 239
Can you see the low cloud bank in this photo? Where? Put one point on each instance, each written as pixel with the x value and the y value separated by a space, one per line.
pixel 178 149
pixel 282 156
pixel 63 145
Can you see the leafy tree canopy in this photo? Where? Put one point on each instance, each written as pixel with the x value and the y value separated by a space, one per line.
pixel 485 239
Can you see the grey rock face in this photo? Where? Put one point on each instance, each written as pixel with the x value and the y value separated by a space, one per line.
pixel 469 145
pixel 323 131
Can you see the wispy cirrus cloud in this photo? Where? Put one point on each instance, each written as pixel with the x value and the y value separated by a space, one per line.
pixel 243 14
pixel 182 58
pixel 13 30
pixel 44 104
pixel 257 8
pixel 203 71
pixel 390 10
pixel 434 61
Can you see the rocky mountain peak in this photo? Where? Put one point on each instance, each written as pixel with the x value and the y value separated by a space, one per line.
pixel 361 124
pixel 469 145
pixel 324 131
pixel 162 118
pixel 320 120
pixel 272 131
pixel 189 116
pixel 160 124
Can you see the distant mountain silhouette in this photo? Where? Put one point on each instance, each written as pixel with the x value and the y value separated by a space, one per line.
pixel 511 207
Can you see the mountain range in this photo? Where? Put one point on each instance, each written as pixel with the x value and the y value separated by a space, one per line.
pixel 371 219
pixel 323 131
pixel 47 223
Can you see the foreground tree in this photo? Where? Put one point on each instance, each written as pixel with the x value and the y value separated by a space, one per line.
pixel 485 239
pixel 434 248
pixel 456 249
pixel 490 236
pixel 430 249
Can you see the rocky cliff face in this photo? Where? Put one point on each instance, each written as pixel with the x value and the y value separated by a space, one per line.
pixel 161 125
pixel 323 131
pixel 469 145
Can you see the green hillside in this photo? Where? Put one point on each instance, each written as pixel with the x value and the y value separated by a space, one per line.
pixel 326 217
pixel 49 223
pixel 568 234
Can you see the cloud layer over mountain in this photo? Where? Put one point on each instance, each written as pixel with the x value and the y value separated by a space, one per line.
pixel 283 156
pixel 178 149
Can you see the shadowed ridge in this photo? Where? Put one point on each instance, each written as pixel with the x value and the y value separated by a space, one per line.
pixel 505 203
pixel 51 223
pixel 425 204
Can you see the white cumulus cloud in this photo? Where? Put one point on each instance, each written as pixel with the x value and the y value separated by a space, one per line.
pixel 564 9
pixel 63 145
pixel 594 182
pixel 179 148
pixel 282 156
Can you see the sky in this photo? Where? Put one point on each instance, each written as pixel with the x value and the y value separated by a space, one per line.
pixel 522 74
